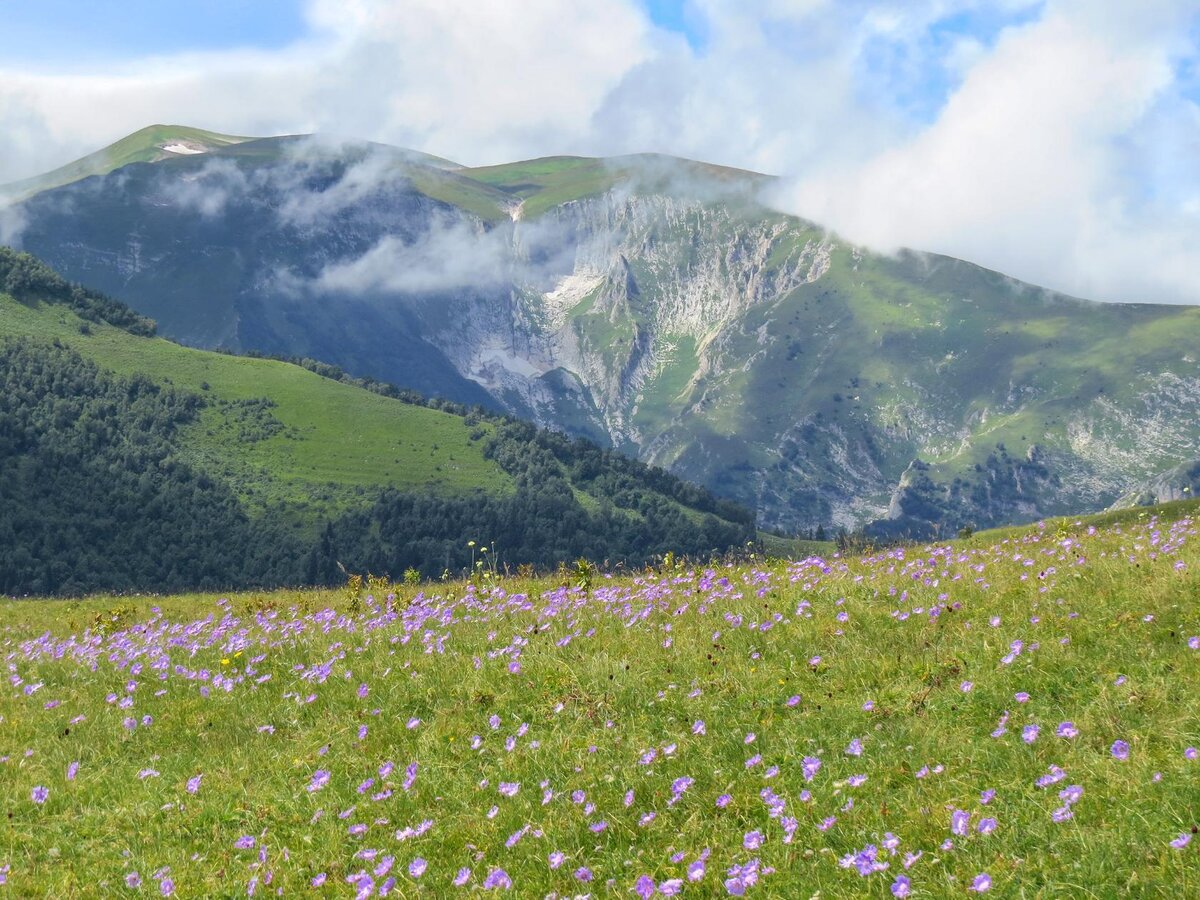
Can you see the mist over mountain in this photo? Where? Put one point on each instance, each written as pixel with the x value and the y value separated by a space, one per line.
pixel 653 304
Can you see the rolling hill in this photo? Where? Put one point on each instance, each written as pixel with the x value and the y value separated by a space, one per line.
pixel 661 307
pixel 291 463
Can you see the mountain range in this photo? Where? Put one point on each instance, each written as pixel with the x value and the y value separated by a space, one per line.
pixel 654 305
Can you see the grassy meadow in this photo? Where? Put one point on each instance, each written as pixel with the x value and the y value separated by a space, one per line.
pixel 1014 714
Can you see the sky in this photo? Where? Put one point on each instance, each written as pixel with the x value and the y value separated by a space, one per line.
pixel 1057 141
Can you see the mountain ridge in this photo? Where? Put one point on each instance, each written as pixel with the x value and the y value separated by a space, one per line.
pixel 656 305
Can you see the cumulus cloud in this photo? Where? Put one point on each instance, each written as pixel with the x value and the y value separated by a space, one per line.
pixel 1028 169
pixel 1052 139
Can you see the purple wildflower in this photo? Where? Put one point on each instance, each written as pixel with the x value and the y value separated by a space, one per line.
pixel 902 886
pixel 40 794
pixel 1071 794
pixel 982 883
pixel 417 867
pixel 497 879
pixel 1120 750
pixel 959 820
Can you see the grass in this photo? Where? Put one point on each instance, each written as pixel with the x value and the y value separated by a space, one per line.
pixel 560 688
pixel 545 183
pixel 335 438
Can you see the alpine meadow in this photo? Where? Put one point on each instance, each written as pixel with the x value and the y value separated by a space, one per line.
pixel 641 448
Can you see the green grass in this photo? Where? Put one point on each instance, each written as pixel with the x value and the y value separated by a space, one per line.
pixel 545 183
pixel 605 675
pixel 336 438
pixel 553 180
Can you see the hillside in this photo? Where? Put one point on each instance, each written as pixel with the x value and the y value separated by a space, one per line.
pixel 1014 714
pixel 152 144
pixel 658 306
pixel 297 471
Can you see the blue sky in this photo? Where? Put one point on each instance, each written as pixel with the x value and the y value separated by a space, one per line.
pixel 70 32
pixel 676 15
pixel 61 30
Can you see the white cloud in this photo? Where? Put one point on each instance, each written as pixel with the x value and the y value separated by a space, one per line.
pixel 486 81
pixel 450 256
pixel 207 191
pixel 1064 153
pixel 1023 170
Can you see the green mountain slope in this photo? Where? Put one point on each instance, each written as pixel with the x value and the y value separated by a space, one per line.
pixel 542 184
pixel 152 144
pixel 291 471
pixel 317 443
pixel 659 306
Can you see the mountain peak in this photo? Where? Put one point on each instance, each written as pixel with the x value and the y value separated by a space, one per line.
pixel 149 144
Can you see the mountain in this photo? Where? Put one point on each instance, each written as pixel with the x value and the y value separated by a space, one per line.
pixel 152 144
pixel 656 305
pixel 129 462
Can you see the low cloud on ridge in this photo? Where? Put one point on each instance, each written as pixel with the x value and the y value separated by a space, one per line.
pixel 1056 141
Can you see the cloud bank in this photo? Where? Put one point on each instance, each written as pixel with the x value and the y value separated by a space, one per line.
pixel 1057 141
